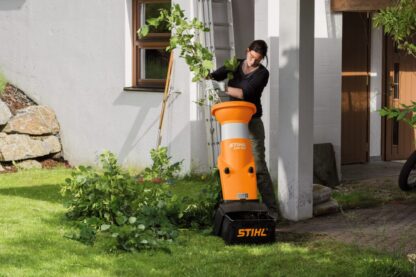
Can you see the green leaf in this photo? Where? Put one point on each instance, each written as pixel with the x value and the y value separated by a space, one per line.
pixel 121 219
pixel 207 64
pixel 143 31
pixel 402 115
pixel 153 22
pixel 105 227
pixel 132 219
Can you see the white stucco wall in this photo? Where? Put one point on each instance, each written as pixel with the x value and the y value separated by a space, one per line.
pixel 376 81
pixel 74 56
pixel 328 71
pixel 327 80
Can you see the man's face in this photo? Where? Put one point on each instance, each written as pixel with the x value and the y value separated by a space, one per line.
pixel 253 58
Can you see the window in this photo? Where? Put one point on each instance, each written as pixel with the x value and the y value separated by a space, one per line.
pixel 150 59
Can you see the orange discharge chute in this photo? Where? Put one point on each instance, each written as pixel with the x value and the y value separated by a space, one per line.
pixel 236 162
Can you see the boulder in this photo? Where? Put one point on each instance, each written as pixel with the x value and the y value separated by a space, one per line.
pixel 5 113
pixel 33 120
pixel 328 207
pixel 58 156
pixel 29 164
pixel 321 194
pixel 21 147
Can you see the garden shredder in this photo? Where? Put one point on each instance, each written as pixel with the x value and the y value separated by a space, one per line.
pixel 241 217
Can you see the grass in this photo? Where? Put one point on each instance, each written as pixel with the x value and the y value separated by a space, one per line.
pixel 32 243
pixel 370 193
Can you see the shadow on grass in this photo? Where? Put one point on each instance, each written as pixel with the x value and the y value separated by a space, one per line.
pixel 49 193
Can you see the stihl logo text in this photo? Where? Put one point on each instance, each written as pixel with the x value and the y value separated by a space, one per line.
pixel 252 232
pixel 238 146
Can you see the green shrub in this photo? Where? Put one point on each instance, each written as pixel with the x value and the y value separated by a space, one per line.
pixel 133 215
pixel 161 169
pixel 111 201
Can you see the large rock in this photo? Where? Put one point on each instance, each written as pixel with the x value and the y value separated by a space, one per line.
pixel 20 147
pixel 33 120
pixel 29 164
pixel 5 113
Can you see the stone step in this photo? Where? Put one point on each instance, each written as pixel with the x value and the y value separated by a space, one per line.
pixel 321 194
pixel 328 207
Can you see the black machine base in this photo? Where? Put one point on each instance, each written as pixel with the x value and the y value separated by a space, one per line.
pixel 245 222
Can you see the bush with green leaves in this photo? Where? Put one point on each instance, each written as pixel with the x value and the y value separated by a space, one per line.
pixel 132 215
pixel 162 168
pixel 110 200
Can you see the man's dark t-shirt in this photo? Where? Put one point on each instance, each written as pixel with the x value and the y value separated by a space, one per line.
pixel 252 84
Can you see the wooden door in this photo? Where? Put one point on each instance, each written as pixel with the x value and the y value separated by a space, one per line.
pixel 400 89
pixel 355 84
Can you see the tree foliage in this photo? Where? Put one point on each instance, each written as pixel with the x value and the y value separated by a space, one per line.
pixel 399 22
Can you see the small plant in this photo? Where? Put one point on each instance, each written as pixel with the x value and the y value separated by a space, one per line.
pixel 185 35
pixel 162 169
pixel 3 83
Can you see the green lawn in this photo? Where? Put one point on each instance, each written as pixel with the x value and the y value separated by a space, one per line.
pixel 33 243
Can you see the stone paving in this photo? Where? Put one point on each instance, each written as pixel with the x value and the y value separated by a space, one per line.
pixel 390 227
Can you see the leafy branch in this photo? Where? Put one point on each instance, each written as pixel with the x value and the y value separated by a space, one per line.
pixel 185 35
pixel 399 22
pixel 406 113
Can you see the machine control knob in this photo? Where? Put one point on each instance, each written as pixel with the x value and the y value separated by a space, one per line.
pixel 250 169
pixel 226 170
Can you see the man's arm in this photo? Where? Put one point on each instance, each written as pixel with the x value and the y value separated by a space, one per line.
pixel 219 74
pixel 235 92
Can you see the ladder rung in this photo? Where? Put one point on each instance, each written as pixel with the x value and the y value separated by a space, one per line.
pixel 223 24
pixel 224 48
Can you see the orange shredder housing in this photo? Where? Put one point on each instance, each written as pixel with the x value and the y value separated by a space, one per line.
pixel 236 162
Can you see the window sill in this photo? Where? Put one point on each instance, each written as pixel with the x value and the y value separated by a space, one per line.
pixel 131 89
